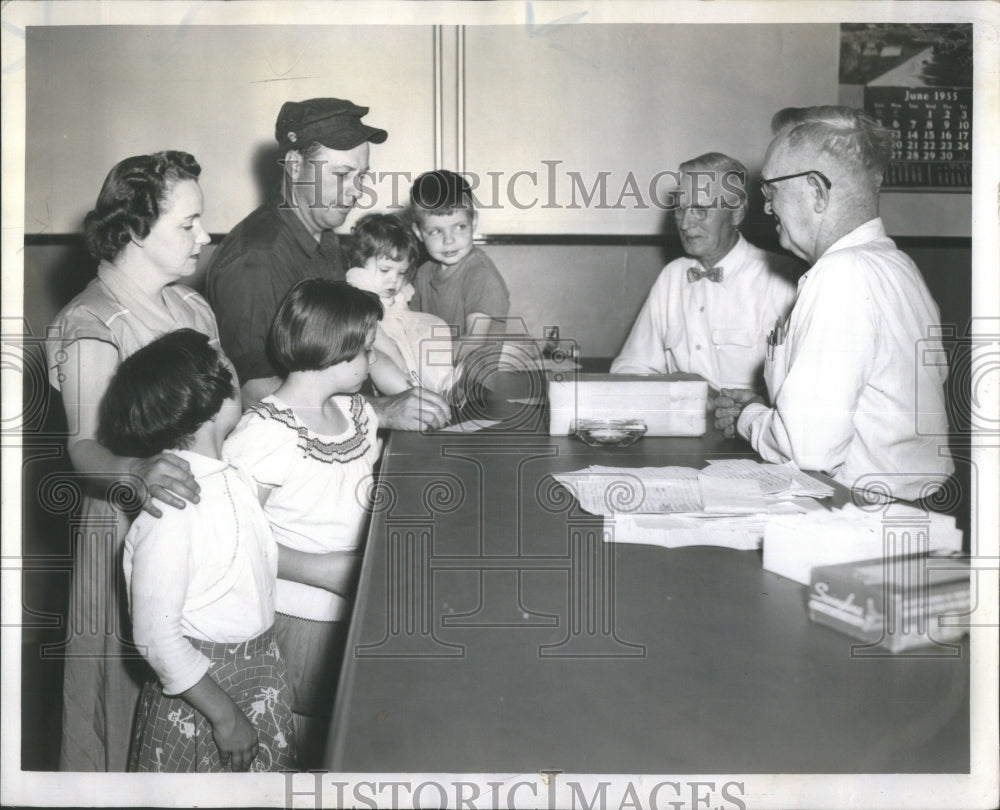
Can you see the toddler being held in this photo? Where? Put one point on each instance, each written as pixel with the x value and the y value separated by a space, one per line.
pixel 383 253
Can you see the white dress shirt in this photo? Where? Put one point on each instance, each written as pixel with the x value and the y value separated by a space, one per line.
pixel 207 571
pixel 717 330
pixel 854 391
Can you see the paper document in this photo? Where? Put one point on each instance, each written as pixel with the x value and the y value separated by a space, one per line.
pixel 676 531
pixel 646 473
pixel 784 480
pixel 612 490
pixel 726 504
pixel 731 496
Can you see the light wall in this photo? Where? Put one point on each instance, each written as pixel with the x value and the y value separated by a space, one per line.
pixel 611 101
pixel 628 102
pixel 98 94
pixel 613 106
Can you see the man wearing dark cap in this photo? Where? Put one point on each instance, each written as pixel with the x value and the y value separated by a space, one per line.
pixel 325 148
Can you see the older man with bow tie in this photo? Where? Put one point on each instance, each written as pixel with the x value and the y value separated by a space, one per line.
pixel 710 311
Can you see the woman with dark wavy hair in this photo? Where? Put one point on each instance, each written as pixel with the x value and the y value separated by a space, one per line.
pixel 146 233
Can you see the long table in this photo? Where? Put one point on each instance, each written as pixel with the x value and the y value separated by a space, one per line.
pixel 496 631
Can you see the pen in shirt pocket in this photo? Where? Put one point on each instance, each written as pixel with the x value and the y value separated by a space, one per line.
pixel 775 338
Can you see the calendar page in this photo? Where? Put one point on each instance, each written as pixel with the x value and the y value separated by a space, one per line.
pixel 916 80
pixel 932 135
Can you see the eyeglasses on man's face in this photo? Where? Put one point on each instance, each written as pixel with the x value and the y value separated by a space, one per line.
pixel 696 213
pixel 766 183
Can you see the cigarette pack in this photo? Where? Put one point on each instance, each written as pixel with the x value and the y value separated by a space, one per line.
pixel 895 603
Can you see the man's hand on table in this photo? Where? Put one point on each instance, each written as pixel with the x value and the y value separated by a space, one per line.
pixel 728 405
pixel 415 409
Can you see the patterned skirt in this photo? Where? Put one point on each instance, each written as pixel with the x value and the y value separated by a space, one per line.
pixel 172 736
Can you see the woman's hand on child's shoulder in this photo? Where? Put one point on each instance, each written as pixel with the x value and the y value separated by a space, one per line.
pixel 167 478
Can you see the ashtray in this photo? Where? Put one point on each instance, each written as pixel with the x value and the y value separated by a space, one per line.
pixel 610 432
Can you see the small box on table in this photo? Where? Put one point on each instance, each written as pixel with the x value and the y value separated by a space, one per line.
pixel 669 404
pixel 894 602
pixel 795 544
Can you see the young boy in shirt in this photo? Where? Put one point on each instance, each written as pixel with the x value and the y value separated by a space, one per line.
pixel 458 283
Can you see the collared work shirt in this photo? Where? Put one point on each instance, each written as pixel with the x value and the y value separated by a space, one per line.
pixel 253 269
pixel 858 385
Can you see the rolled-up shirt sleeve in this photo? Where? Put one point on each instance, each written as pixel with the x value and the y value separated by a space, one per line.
pixel 158 576
pixel 831 343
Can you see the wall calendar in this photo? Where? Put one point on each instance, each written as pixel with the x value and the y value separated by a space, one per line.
pixel 916 80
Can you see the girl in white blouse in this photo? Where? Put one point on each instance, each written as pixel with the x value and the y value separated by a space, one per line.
pixel 311 447
pixel 201 579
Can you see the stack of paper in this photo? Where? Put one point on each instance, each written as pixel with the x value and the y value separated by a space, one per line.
pixel 722 505
pixel 780 480
pixel 674 531
pixel 794 545
pixel 642 490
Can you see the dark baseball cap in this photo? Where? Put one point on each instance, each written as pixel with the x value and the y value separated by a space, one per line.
pixel 333 122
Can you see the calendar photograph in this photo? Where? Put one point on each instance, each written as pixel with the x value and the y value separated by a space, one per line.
pixel 915 79
pixel 906 54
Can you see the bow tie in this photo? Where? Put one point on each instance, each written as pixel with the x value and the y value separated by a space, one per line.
pixel 712 274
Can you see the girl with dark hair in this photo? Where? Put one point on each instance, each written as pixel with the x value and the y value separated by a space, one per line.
pixel 146 233
pixel 383 254
pixel 201 579
pixel 311 447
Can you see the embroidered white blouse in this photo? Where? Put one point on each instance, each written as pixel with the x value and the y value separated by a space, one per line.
pixel 320 488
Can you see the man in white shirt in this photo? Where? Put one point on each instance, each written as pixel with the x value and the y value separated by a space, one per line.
pixel 850 391
pixel 709 312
